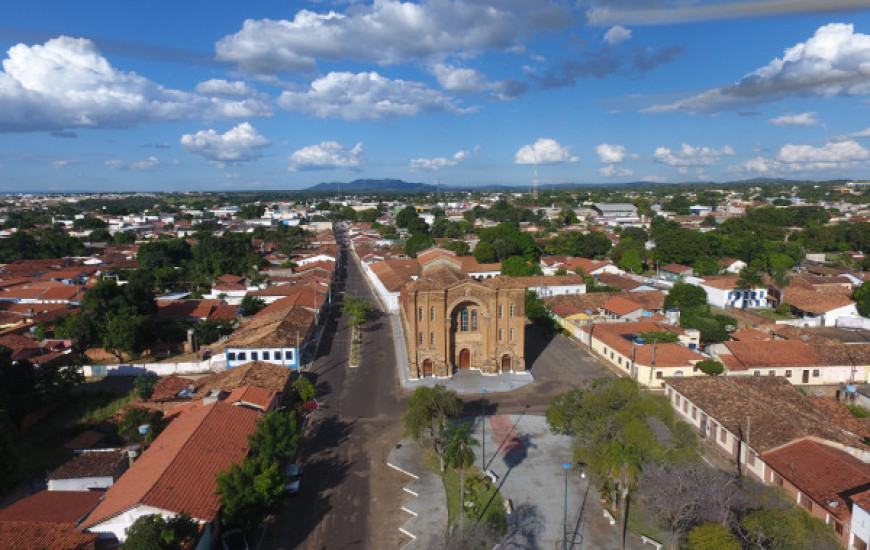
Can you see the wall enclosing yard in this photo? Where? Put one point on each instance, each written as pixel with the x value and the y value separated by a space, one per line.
pixel 214 364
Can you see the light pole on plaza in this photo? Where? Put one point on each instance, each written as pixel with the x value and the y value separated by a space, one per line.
pixel 483 427
pixel 567 467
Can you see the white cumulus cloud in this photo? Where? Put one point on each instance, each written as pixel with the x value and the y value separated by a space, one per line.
pixel 617 34
pixel 801 119
pixel 544 151
pixel 837 155
pixel 688 155
pixel 612 170
pixel 459 80
pixel 219 86
pixel 240 144
pixel 437 163
pixel 327 155
pixel 834 61
pixel 67 83
pixel 611 154
pixel 388 31
pixel 140 165
pixel 365 96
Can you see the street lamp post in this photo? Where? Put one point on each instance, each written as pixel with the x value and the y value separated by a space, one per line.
pixel 567 467
pixel 483 427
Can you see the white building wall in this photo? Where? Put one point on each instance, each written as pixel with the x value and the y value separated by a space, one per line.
pixel 860 527
pixel 80 483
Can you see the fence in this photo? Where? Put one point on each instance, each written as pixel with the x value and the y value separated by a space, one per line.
pixel 214 364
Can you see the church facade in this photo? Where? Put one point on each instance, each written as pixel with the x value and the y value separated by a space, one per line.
pixel 453 322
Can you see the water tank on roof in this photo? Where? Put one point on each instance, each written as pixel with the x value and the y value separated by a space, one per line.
pixel 639 341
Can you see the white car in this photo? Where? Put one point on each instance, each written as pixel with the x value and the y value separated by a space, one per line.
pixel 293 473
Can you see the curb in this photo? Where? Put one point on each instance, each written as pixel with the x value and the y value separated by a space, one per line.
pixel 406 472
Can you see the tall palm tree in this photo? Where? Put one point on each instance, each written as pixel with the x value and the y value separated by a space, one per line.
pixel 623 463
pixel 458 454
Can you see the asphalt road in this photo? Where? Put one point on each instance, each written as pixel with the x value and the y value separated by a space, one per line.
pixel 349 498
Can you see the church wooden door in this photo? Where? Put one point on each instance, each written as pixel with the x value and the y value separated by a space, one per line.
pixel 464 358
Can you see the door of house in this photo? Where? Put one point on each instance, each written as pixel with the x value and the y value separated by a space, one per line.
pixel 465 358
pixel 703 425
pixel 506 362
pixel 805 377
pixel 427 367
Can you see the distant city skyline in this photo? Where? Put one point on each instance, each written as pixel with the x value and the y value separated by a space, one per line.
pixel 261 95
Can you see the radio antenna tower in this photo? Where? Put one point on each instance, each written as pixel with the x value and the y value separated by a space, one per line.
pixel 535 179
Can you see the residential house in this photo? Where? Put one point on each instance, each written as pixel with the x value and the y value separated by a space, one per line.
pixel 815 308
pixel 279 336
pixel 745 417
pixel 176 474
pixel 674 272
pixel 724 292
pixel 89 470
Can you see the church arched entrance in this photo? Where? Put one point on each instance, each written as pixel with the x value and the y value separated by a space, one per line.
pixel 427 367
pixel 464 358
pixel 505 362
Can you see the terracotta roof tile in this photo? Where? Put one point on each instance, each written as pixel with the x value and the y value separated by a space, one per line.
pixel 252 395
pixel 278 328
pixel 91 464
pixel 612 279
pixel 35 536
pixel 52 507
pixel 773 354
pixel 825 474
pixel 812 301
pixel 177 471
pixel 775 411
pixel 168 388
pixel 750 335
pixel 256 373
pixel 620 306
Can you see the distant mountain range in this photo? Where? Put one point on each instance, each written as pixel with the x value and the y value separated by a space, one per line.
pixel 400 186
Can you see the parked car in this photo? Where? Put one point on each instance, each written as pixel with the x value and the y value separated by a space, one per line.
pixel 293 472
pixel 234 539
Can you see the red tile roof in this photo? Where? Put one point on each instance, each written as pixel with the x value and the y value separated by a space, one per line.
pixel 773 354
pixel 35 536
pixel 827 475
pixel 676 268
pixel 177 472
pixel 620 306
pixel 53 507
pixel 252 395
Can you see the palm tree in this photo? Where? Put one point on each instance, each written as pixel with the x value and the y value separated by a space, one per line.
pixel 458 454
pixel 623 466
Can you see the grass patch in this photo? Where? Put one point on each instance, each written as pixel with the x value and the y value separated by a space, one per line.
pixel 487 503
pixel 41 446
pixel 858 412
pixel 771 314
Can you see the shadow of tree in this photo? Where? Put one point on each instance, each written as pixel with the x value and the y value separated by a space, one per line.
pixel 524 527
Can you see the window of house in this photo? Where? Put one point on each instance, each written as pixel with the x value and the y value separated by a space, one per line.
pixel 751 458
pixel 788 374
pixel 678 401
pixel 463 320
pixel 686 406
pixel 723 436
pixel 266 356
pixel 432 313
pixel 512 334
pixel 838 527
pixel 501 311
pixel 771 373
pixel 512 309
pixel 288 355
pixel 243 356
pixel 254 356
pixel 659 375
pixel 620 361
pixel 421 339
pixel 859 544
pixel 473 319
pixel 694 412
pixel 757 373
pixel 500 334
pixel 432 338
pixel 420 315
pixel 815 373
pixel 231 356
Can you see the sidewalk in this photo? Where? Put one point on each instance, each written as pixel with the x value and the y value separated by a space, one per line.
pixel 427 509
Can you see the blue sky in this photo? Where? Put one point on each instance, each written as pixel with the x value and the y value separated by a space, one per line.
pixel 224 95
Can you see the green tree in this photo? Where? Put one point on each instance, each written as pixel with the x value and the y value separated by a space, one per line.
pixel 751 276
pixel 538 313
pixel 304 389
pixel 631 261
pixel 126 332
pixel 128 427
pixel 786 528
pixel 623 464
pixel 660 337
pixel 427 415
pixel 685 296
pixel 277 436
pixel 251 305
pixel 154 532
pixel 862 299
pixel 711 536
pixel 252 211
pixel 459 454
pixel 356 310
pixel 517 266
pixel 711 367
pixel 417 243
pixel 460 248
pixel 248 493
pixel 144 385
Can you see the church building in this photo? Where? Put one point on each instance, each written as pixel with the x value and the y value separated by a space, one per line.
pixel 452 321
